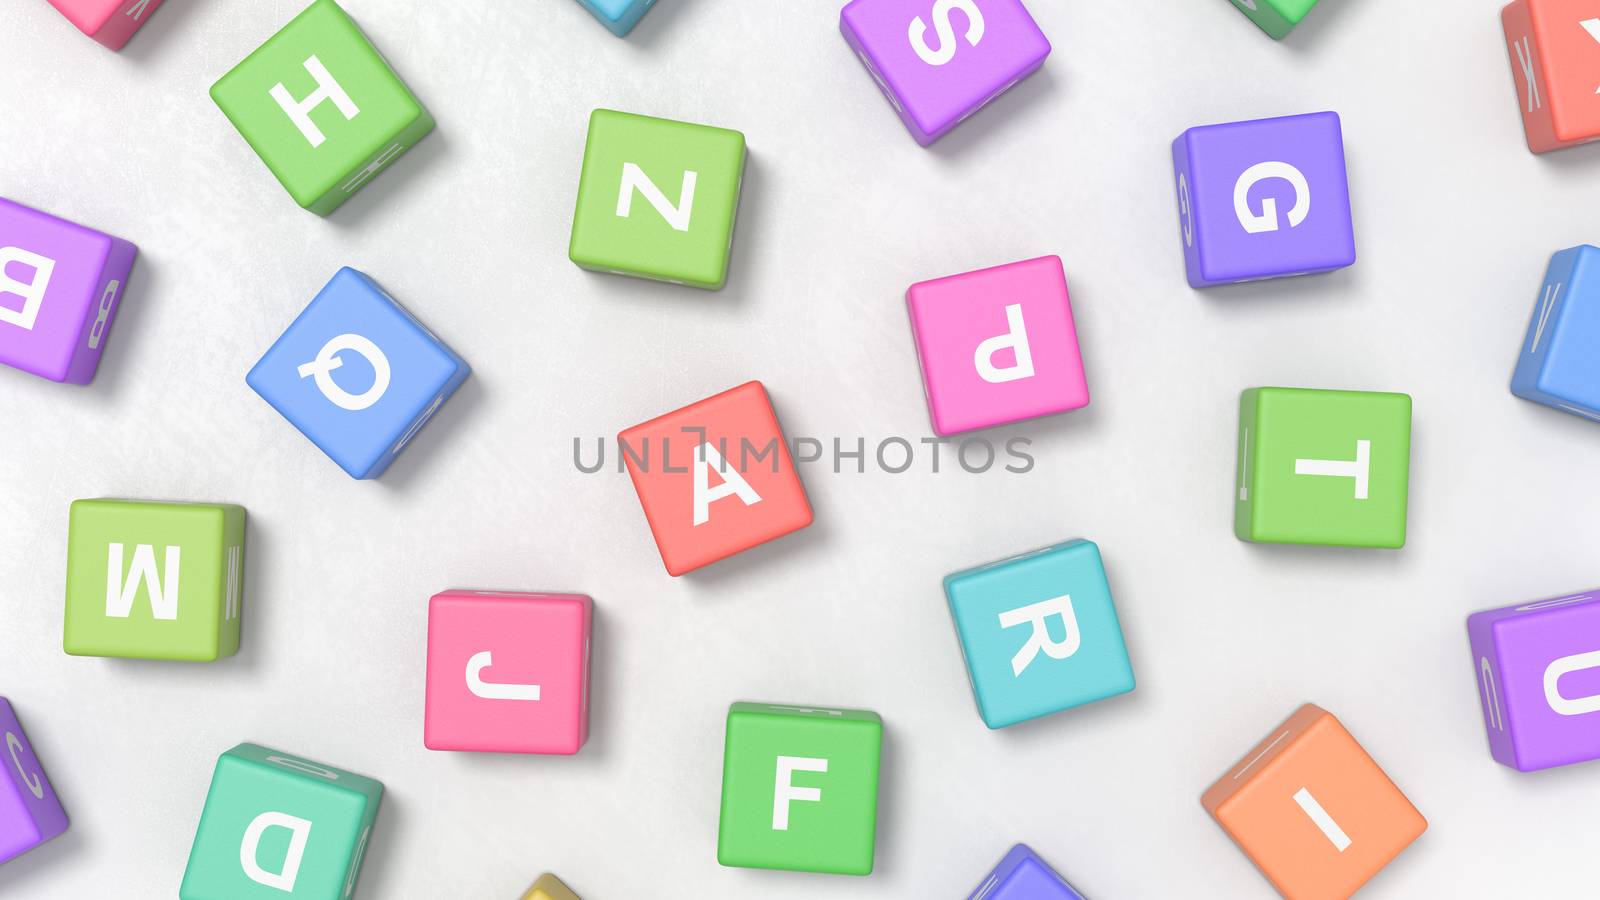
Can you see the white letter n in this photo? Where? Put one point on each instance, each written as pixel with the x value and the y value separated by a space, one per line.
pixel 1038 614
pixel 634 179
pixel 120 594
pixel 299 111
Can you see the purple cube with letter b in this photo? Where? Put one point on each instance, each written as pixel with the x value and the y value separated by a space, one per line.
pixel 59 287
pixel 1022 875
pixel 940 61
pixel 30 814
pixel 1263 199
pixel 1538 672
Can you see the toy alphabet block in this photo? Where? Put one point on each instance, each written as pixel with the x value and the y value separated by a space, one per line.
pixel 1022 875
pixel 60 284
pixel 1538 668
pixel 800 789
pixel 508 672
pixel 997 346
pixel 715 478
pixel 1554 48
pixel 1559 364
pixel 1008 616
pixel 618 15
pixel 1323 467
pixel 357 374
pixel 110 22
pixel 1276 17
pixel 30 812
pixel 1263 199
pixel 1312 810
pixel 549 887
pixel 657 199
pixel 149 580
pixel 940 61
pixel 321 107
pixel 278 826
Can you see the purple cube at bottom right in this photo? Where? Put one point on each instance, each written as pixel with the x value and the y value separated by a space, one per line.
pixel 1538 674
pixel 30 814
pixel 1022 875
pixel 1268 198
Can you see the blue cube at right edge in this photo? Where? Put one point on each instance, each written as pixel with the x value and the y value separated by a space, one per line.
pixel 1022 875
pixel 357 374
pixel 618 15
pixel 1560 361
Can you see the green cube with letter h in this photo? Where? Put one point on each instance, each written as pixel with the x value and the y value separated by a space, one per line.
pixel 321 107
pixel 148 580
pixel 800 789
pixel 1323 467
pixel 278 826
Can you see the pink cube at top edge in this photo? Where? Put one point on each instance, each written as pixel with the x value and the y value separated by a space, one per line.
pixel 508 672
pixel 111 22
pixel 997 346
pixel 940 62
pixel 60 285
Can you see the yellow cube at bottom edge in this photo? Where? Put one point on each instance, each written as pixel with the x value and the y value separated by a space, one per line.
pixel 549 887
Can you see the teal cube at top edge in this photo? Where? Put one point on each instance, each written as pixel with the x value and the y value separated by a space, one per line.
pixel 619 15
pixel 333 808
pixel 1276 17
pixel 1095 668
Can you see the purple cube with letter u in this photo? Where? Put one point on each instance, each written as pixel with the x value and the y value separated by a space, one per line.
pixel 1538 672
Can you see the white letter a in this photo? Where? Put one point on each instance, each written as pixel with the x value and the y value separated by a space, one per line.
pixel 706 456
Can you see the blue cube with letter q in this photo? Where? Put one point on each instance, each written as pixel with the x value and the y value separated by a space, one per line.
pixel 1040 633
pixel 618 15
pixel 1559 364
pixel 357 374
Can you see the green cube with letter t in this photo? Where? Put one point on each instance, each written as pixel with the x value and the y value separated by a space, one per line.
pixel 321 107
pixel 1276 17
pixel 279 827
pixel 1323 467
pixel 657 199
pixel 800 789
pixel 152 580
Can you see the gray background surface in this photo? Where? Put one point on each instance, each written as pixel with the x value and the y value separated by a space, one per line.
pixel 841 211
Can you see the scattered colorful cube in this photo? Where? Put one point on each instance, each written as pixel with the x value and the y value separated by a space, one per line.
pixel 59 287
pixel 1538 668
pixel 149 580
pixel 357 374
pixel 1560 361
pixel 1312 810
pixel 1264 199
pixel 1039 633
pixel 1323 467
pixel 30 812
pixel 1022 875
pixel 1553 45
pixel 715 478
pixel 937 67
pixel 997 346
pixel 276 825
pixel 1276 17
pixel 549 887
pixel 321 107
pixel 508 672
pixel 800 789
pixel 657 199
pixel 110 22
pixel 618 15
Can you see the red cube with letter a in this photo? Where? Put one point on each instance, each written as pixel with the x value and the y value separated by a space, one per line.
pixel 715 478
pixel 1555 62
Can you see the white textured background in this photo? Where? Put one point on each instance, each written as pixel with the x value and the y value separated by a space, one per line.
pixel 841 211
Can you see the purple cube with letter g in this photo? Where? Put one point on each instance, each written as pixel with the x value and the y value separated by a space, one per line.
pixel 1263 199
pixel 1538 672
pixel 30 814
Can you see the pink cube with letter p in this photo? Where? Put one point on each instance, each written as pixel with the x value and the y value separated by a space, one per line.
pixel 997 345
pixel 508 672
